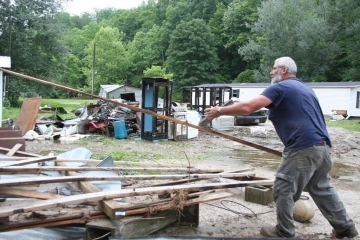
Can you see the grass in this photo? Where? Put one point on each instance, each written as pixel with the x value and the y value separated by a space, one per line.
pixel 351 125
pixel 70 105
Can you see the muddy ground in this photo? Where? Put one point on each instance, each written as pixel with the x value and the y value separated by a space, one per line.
pixel 235 217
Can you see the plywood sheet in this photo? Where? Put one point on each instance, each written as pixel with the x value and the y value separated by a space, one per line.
pixel 28 114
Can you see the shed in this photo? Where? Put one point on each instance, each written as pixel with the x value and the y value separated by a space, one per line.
pixel 332 95
pixel 121 91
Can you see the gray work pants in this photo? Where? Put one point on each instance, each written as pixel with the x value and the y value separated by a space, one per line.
pixel 308 168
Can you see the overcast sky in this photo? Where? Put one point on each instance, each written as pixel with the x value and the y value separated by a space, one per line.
pixel 77 7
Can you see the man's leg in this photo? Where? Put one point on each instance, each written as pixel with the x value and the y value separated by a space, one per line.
pixel 326 197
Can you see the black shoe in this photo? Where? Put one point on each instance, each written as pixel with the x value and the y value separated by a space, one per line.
pixel 350 233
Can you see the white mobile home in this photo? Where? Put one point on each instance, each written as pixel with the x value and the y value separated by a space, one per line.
pixel 331 95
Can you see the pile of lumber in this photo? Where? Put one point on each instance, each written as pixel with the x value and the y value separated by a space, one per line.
pixel 175 188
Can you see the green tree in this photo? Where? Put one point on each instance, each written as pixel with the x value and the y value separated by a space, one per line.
pixel 299 29
pixel 236 32
pixel 157 71
pixel 146 50
pixel 29 34
pixel 111 59
pixel 192 54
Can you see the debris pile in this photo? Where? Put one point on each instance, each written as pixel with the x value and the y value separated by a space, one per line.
pixel 71 189
pixel 96 118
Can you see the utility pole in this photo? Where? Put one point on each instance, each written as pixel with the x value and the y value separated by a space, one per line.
pixel 5 62
pixel 93 70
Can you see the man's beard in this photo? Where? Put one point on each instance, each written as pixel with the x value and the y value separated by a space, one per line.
pixel 276 78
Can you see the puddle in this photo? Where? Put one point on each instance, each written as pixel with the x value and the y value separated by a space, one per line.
pixel 258 158
pixel 340 171
pixel 344 172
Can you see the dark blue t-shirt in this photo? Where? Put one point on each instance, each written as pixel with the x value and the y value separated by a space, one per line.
pixel 296 114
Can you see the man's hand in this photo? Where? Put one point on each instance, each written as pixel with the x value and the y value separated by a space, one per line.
pixel 212 112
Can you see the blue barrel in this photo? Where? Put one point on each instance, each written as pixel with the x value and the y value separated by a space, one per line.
pixel 120 129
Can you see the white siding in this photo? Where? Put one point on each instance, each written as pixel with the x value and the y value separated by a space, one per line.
pixel 352 110
pixel 248 93
pixel 333 99
pixel 329 98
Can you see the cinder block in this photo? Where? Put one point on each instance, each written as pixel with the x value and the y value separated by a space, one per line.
pixel 259 194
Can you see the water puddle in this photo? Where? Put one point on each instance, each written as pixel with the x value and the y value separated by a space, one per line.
pixel 258 158
pixel 340 171
pixel 344 172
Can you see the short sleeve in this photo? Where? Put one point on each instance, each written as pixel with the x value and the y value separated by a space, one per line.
pixel 275 94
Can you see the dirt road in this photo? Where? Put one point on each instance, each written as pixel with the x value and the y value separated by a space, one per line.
pixel 237 218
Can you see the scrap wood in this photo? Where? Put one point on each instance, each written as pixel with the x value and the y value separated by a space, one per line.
pixel 130 206
pixel 27 193
pixel 28 114
pixel 14 149
pixel 28 161
pixel 154 164
pixel 101 196
pixel 52 221
pixel 25 169
pixel 198 179
pixel 86 187
pixel 43 180
pixel 202 199
pixel 18 153
pixel 152 113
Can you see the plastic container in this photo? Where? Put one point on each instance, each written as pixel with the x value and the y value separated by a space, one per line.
pixel 223 123
pixel 120 129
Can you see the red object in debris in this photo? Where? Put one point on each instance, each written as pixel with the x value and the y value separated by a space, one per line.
pixel 95 126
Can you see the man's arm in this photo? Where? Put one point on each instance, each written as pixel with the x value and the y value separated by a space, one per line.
pixel 239 109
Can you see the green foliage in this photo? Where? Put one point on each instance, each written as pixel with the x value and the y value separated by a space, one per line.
pixel 300 29
pixel 199 42
pixel 157 71
pixel 111 59
pixel 246 76
pixel 192 54
pixel 145 50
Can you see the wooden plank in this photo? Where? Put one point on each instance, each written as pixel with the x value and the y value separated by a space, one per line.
pixel 88 187
pixel 51 221
pixel 28 114
pixel 194 179
pixel 190 170
pixel 202 199
pixel 26 193
pixel 4 150
pixel 14 149
pixel 10 134
pixel 9 143
pixel 152 113
pixel 129 206
pixel 100 196
pixel 116 163
pixel 152 164
pixel 43 180
pixel 29 161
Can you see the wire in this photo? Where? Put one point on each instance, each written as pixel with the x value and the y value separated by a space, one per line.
pixel 236 212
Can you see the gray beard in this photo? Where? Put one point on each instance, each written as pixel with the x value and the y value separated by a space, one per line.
pixel 276 79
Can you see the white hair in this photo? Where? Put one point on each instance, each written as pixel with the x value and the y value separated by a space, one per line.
pixel 287 62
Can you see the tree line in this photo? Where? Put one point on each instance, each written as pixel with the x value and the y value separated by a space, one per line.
pixel 190 41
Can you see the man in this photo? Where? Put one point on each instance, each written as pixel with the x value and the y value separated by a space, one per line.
pixel 299 122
